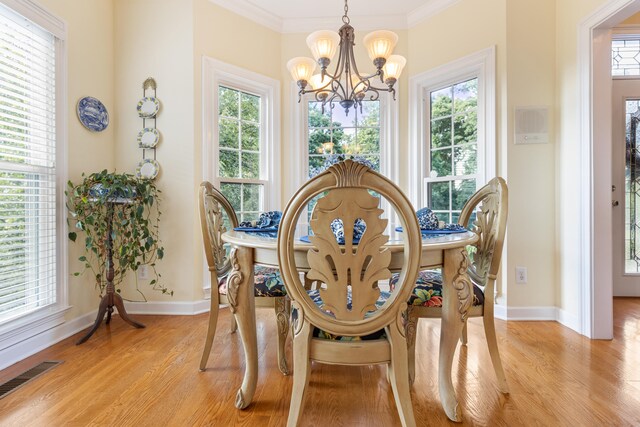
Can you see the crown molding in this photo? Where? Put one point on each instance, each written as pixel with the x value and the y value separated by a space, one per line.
pixel 362 22
pixel 431 8
pixel 252 12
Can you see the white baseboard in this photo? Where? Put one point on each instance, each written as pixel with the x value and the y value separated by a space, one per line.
pixel 31 346
pixel 569 320
pixel 500 311
pixel 531 313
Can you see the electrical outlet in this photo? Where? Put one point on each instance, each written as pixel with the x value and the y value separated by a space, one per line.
pixel 143 272
pixel 521 275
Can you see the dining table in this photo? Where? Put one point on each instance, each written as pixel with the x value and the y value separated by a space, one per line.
pixel 446 251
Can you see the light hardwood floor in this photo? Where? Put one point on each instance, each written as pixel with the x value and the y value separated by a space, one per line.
pixel 149 377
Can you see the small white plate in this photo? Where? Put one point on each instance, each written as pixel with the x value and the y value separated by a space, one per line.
pixel 147 169
pixel 148 138
pixel 148 107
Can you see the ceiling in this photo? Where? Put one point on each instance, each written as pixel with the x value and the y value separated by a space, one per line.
pixel 292 16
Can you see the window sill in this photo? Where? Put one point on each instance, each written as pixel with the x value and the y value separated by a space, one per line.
pixel 30 325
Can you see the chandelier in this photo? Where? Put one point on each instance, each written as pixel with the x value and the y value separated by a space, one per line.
pixel 347 85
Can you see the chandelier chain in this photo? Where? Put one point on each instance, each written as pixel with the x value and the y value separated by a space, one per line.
pixel 345 18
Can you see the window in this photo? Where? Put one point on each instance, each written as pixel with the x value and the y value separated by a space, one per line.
pixel 241 137
pixel 30 150
pixel 333 133
pixel 625 56
pixel 239 153
pixel 453 148
pixel 452 124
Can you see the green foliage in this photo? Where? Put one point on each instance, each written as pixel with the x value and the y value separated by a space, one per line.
pixel 130 204
pixel 454 136
pixel 356 135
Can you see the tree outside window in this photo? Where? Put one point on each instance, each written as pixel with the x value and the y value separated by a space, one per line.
pixel 453 148
pixel 240 151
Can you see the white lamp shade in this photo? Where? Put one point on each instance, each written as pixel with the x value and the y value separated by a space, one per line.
pixel 317 82
pixel 356 83
pixel 380 43
pixel 323 44
pixel 301 68
pixel 393 67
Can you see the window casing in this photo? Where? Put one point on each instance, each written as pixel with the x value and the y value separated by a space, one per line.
pixel 33 247
pixel 428 176
pixel 241 136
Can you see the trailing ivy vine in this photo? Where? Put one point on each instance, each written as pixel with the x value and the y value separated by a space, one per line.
pixel 131 206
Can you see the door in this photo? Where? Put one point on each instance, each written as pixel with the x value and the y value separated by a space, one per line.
pixel 626 187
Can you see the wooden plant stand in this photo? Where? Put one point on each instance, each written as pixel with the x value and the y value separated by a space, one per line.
pixel 111 298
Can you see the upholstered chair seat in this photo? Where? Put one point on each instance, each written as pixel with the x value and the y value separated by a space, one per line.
pixel 319 333
pixel 267 282
pixel 428 290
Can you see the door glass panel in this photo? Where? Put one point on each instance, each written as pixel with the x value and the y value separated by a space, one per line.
pixel 632 188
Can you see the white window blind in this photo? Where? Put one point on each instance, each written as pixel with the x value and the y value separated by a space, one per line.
pixel 27 167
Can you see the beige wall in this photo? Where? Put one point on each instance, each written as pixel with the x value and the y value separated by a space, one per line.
pixel 536 64
pixel 90 50
pixel 238 41
pixel 531 168
pixel 632 20
pixel 154 38
pixel 463 29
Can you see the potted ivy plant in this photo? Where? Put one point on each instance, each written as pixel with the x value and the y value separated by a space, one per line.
pixel 118 214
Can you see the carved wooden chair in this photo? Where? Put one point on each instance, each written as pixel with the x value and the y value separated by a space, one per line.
pixel 350 305
pixel 269 289
pixel 489 204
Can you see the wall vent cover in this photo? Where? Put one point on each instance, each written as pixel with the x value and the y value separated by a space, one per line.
pixel 17 382
pixel 531 125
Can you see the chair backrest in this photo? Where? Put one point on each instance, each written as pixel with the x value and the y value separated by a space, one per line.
pixel 490 205
pixel 348 273
pixel 213 206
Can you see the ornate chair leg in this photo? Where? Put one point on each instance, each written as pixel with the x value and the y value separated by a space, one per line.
pixel 211 331
pixel 411 329
pixel 301 350
pixel 234 324
pixel 463 335
pixel 492 342
pixel 282 318
pixel 399 376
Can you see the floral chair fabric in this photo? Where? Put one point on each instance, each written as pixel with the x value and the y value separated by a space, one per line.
pixel 428 290
pixel 318 333
pixel 267 281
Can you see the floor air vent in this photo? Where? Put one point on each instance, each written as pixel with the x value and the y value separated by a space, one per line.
pixel 15 383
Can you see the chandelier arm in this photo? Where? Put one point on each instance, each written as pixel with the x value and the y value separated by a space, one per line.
pixel 342 84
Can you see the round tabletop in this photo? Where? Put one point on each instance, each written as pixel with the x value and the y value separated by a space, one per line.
pixel 265 248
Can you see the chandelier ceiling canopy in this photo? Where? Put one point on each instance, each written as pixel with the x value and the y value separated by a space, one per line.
pixel 347 85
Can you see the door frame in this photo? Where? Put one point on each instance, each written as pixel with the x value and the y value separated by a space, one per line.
pixel 594 217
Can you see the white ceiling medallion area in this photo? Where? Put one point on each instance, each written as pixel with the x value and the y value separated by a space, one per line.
pixel 301 16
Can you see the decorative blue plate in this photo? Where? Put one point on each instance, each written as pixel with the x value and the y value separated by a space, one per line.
pixel 92 114
pixel 439 231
